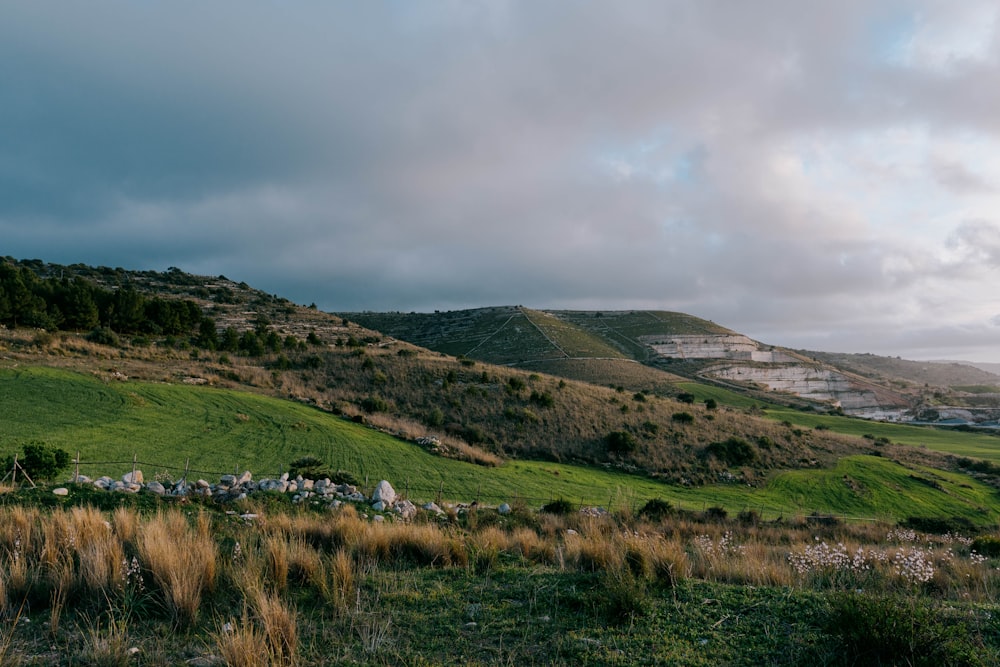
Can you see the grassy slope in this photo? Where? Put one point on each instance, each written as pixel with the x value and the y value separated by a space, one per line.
pixel 221 430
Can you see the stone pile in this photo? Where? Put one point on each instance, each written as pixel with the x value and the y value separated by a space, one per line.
pixel 229 488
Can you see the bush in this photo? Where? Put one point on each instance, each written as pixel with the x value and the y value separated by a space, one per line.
pixel 656 509
pixel 987 545
pixel 542 399
pixel 103 336
pixel 683 417
pixel 711 404
pixel 685 397
pixel 559 506
pixel 371 404
pixel 620 442
pixel 940 525
pixel 733 451
pixel 39 461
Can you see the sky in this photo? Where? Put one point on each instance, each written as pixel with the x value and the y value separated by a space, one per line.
pixel 817 175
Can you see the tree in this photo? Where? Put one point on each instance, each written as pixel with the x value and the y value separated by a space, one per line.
pixel 39 461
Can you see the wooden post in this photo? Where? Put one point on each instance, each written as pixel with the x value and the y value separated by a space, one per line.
pixel 187 467
pixel 479 492
pixel 13 480
pixel 76 468
pixel 440 494
pixel 134 458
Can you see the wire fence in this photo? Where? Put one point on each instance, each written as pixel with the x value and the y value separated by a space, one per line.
pixel 618 500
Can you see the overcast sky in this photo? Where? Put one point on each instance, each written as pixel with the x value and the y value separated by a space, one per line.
pixel 820 175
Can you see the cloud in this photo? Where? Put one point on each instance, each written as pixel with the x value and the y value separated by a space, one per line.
pixel 803 171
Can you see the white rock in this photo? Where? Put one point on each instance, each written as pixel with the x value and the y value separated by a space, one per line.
pixel 61 491
pixel 406 509
pixel 202 484
pixel 385 493
pixel 156 487
pixel 245 478
pixel 432 507
pixel 378 518
pixel 379 506
pixel 130 478
pixel 504 509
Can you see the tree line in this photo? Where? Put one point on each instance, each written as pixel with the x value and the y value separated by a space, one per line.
pixel 76 304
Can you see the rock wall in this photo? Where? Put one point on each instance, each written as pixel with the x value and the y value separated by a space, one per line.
pixel 818 384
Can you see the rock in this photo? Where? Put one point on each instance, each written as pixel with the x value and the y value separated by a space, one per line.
pixel 433 507
pixel 378 518
pixel 156 487
pixel 61 491
pixel 306 484
pixel 245 478
pixel 379 506
pixel 227 480
pixel 284 477
pixel 385 493
pixel 81 479
pixel 202 484
pixel 504 509
pixel 406 509
pixel 130 478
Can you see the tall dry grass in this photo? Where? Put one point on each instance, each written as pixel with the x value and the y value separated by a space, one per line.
pixel 181 560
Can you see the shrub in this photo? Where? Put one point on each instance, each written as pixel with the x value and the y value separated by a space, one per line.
pixel 685 397
pixel 987 545
pixel 711 404
pixel 542 399
pixel 371 404
pixel 683 417
pixel 559 506
pixel 39 461
pixel 103 336
pixel 515 384
pixel 656 509
pixel 733 451
pixel 940 525
pixel 620 442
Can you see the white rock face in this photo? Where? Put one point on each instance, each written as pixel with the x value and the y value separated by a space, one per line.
pixel 818 384
pixel 385 493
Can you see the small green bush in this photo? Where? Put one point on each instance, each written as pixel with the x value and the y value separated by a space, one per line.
pixel 372 404
pixel 39 461
pixel 683 417
pixel 559 506
pixel 733 451
pixel 656 509
pixel 620 442
pixel 987 545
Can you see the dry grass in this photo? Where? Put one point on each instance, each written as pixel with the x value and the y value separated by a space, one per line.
pixel 182 562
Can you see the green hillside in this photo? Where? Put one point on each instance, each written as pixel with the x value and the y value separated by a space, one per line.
pixel 218 431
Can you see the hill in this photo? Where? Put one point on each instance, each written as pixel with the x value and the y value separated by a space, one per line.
pixel 474 411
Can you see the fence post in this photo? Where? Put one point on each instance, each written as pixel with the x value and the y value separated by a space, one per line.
pixel 134 459
pixel 13 479
pixel 479 492
pixel 440 494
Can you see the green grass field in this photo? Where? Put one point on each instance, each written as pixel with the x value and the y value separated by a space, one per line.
pixel 218 431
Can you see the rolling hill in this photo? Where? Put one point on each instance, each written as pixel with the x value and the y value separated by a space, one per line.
pixel 542 403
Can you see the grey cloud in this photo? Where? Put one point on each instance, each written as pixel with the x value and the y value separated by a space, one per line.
pixel 370 156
